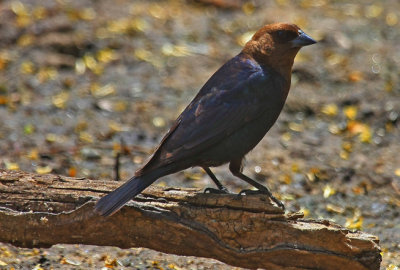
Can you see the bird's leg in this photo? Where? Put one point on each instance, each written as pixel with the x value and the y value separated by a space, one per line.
pixel 235 167
pixel 221 188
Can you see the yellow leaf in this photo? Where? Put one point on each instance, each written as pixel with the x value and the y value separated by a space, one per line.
pixel 157 11
pixel 120 106
pixel 391 19
pixel 363 130
pixel 23 16
pixel 33 154
pixel 355 76
pixel 5 252
pixel 158 121
pixel 90 61
pixel 355 127
pixel 373 11
pixel 336 59
pixel 344 155
pixel 389 127
pixel 60 100
pixel 51 137
pixel 106 55
pixel 3 100
pixel 87 14
pixel 330 109
pixel 68 261
pixel 328 191
pixel 334 129
pixel 334 208
pixel 19 9
pixel 350 112
pixel 287 197
pixel 282 2
pixel 175 50
pixel 43 170
pixel 110 263
pixel 347 146
pixel 357 190
pixel 118 26
pixel 81 126
pixel 248 8
pixel 47 73
pixel 306 212
pixel 86 137
pixel 296 127
pixel 11 166
pixel 27 67
pixel 295 167
pixel 39 13
pixel 25 40
pixel 80 66
pixel 315 173
pixel 116 127
pixel 137 160
pixel 5 59
pixel 286 136
pixel 355 222
pixel 38 267
pixel 142 54
pixel 138 24
pixel 285 179
pixel 23 21
pixel 366 136
pixel 106 90
pixel 389 85
pixel 392 267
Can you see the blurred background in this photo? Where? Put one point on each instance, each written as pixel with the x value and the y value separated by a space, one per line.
pixel 81 81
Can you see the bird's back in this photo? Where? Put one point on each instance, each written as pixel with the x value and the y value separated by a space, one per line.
pixel 241 101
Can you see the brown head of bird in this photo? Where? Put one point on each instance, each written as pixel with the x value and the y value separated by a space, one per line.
pixel 276 45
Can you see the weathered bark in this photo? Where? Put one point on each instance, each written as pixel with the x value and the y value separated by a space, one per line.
pixel 245 231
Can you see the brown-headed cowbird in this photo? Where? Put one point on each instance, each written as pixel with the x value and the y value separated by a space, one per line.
pixel 227 118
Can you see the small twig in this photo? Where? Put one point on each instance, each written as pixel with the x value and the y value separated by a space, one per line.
pixel 116 166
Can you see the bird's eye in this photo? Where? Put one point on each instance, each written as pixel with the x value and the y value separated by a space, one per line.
pixel 285 35
pixel 282 34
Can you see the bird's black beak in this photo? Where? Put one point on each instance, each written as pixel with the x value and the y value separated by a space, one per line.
pixel 302 40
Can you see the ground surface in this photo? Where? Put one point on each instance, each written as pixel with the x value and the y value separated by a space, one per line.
pixel 79 77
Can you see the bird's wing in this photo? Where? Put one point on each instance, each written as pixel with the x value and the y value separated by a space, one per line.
pixel 232 97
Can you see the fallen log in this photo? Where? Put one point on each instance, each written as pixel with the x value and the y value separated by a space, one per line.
pixel 246 231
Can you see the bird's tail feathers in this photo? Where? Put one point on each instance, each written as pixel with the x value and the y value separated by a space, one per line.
pixel 112 202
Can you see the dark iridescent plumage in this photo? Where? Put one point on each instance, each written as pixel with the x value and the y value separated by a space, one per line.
pixel 228 117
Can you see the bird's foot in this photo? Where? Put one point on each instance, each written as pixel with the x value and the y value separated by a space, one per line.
pixel 266 192
pixel 216 191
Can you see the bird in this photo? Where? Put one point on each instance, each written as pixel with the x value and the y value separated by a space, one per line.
pixel 227 118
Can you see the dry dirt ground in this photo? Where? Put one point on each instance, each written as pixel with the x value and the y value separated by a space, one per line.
pixel 77 78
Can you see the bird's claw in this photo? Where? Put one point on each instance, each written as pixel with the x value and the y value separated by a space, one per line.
pixel 267 192
pixel 216 191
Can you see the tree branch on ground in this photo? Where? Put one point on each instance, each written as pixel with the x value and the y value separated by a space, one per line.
pixel 246 231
